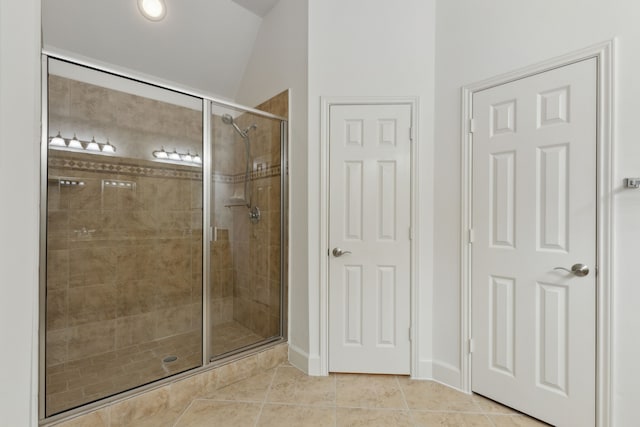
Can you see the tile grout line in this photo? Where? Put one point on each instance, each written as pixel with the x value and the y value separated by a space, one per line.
pixel 264 399
pixel 476 402
pixel 404 398
pixel 184 411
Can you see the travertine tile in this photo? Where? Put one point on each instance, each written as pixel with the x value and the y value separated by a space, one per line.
pixel 206 413
pixel 172 321
pixel 89 304
pixel 434 396
pixel 449 419
pixel 273 357
pixel 354 417
pixel 515 421
pixel 56 309
pixel 57 342
pixel 252 389
pixel 134 296
pixel 238 370
pixel 92 266
pixel 291 385
pixel 289 415
pixel 146 409
pixel 210 381
pixel 489 406
pixel 99 418
pixel 61 401
pixel 181 393
pixel 292 399
pixel 57 263
pixel 368 391
pixel 230 335
pixel 91 339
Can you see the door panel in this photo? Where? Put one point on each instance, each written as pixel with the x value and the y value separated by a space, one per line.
pixel 369 203
pixel 534 209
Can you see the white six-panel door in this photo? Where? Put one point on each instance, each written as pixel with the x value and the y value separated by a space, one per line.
pixel 534 209
pixel 369 219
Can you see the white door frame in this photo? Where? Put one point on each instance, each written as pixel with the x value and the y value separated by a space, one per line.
pixel 604 53
pixel 326 104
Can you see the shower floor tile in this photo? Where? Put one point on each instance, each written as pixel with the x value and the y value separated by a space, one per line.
pixel 82 381
pixel 231 336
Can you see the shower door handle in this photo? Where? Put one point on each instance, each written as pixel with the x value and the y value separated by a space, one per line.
pixel 337 252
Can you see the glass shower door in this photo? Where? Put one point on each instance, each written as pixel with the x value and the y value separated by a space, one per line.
pixel 123 238
pixel 246 286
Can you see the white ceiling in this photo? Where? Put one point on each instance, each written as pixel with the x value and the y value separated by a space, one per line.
pixel 202 44
pixel 259 7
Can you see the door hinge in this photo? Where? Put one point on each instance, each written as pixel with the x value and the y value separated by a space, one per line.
pixel 409 334
pixel 411 134
pixel 472 125
pixel 471 236
pixel 410 233
pixel 211 235
pixel 470 345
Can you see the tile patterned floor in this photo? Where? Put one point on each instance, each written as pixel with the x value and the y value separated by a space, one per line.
pixel 285 396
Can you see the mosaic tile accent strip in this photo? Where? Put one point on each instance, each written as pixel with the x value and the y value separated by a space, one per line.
pixel 155 171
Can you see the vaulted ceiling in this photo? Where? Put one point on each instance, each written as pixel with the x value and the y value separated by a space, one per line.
pixel 202 44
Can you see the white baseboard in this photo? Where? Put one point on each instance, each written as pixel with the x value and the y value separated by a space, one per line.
pixel 299 358
pixel 446 374
pixel 314 366
pixel 424 371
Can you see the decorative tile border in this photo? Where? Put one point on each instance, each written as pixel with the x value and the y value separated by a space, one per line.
pixel 238 178
pixel 147 169
pixel 123 168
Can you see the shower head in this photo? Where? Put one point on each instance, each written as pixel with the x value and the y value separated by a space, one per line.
pixel 228 120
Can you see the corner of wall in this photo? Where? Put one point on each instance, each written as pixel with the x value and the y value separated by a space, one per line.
pixel 299 358
pixel 447 374
pixel 425 370
pixel 19 121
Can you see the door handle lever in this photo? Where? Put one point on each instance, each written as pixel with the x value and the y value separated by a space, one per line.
pixel 337 252
pixel 579 270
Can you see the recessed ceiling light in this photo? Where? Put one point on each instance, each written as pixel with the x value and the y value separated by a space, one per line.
pixel 153 10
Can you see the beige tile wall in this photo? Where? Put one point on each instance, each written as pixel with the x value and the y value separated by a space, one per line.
pixel 254 249
pixel 124 264
pixel 124 269
pixel 134 124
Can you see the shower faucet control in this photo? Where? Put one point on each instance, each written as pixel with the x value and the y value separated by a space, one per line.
pixel 254 215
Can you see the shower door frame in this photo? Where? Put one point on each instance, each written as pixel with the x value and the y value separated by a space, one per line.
pixel 208 362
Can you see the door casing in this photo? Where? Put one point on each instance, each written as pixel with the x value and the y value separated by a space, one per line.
pixel 327 103
pixel 604 53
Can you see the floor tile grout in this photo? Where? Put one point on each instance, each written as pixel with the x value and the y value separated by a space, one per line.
pixel 266 395
pixel 406 404
pixel 182 413
pixel 473 407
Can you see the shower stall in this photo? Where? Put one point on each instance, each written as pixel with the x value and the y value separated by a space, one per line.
pixel 164 218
